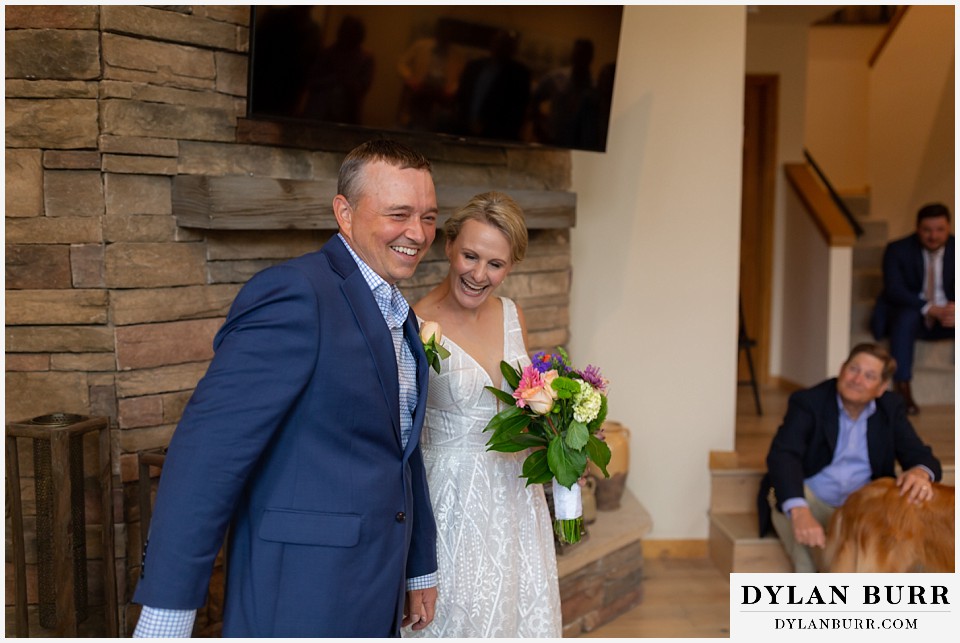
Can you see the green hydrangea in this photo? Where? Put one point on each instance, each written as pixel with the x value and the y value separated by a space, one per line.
pixel 586 403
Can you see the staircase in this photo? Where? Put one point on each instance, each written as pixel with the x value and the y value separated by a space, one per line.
pixel 733 541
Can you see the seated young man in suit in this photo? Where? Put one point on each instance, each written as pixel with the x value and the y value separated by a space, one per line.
pixel 836 437
pixel 917 300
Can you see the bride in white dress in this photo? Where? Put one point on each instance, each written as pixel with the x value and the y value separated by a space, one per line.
pixel 497 572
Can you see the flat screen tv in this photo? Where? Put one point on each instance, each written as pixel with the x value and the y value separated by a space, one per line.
pixel 514 75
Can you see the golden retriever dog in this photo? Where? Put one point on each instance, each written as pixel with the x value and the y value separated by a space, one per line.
pixel 877 530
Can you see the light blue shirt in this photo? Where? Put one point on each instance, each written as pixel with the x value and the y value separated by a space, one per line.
pixel 155 622
pixel 850 468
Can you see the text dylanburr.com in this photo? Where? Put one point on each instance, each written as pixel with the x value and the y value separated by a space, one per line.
pixel 854 607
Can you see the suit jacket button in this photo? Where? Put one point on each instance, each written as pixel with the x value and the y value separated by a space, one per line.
pixel 401 516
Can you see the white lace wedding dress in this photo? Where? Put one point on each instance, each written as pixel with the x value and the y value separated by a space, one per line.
pixel 498 569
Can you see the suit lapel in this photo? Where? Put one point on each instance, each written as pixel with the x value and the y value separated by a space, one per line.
pixel 372 325
pixel 949 269
pixel 412 333
pixel 874 423
pixel 831 419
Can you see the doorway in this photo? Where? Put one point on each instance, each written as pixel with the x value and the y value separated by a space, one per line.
pixel 756 216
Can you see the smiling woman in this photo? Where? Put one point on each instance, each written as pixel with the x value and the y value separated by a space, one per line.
pixel 497 566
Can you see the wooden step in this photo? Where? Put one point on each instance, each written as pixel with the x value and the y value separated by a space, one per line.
pixel 734 543
pixel 736 547
pixel 734 490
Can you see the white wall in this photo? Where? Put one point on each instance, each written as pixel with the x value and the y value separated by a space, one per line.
pixel 912 112
pixel 656 252
pixel 780 49
pixel 837 98
pixel 816 294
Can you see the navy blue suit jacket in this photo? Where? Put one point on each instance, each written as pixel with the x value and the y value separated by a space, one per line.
pixel 903 276
pixel 805 442
pixel 292 439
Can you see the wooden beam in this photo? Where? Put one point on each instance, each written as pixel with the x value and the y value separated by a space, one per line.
pixel 887 35
pixel 834 227
pixel 257 203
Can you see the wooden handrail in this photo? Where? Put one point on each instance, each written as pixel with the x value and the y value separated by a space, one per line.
pixel 891 27
pixel 834 227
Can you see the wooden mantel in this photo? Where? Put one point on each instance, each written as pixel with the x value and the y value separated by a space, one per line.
pixel 256 203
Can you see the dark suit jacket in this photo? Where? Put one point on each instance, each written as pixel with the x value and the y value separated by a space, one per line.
pixel 903 276
pixel 805 442
pixel 292 438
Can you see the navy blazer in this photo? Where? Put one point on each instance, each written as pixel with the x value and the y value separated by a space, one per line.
pixel 903 276
pixel 805 442
pixel 292 439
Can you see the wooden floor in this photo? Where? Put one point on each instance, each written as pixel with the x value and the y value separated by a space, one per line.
pixel 689 598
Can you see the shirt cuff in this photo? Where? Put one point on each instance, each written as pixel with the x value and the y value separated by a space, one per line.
pixel 422 582
pixel 161 623
pixel 793 503
pixel 933 478
pixel 926 308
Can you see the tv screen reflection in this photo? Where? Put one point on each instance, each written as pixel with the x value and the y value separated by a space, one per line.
pixel 510 74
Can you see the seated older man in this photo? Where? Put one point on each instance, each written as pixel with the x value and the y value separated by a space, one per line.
pixel 835 438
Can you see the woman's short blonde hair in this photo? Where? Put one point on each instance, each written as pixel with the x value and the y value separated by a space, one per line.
pixel 500 211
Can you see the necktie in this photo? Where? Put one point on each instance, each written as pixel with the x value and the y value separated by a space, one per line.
pixel 929 290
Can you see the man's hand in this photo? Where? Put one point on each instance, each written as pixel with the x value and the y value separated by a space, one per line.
pixel 806 530
pixel 915 485
pixel 418 609
pixel 943 314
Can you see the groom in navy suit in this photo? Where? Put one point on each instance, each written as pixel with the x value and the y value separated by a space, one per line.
pixel 917 301
pixel 303 436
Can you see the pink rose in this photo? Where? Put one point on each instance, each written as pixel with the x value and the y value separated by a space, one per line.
pixel 534 390
pixel 429 330
pixel 548 378
pixel 539 400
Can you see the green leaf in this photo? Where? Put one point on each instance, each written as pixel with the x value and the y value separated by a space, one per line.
pixel 506 430
pixel 503 396
pixel 530 440
pixel 498 419
pixel 510 374
pixel 567 465
pixel 599 453
pixel 577 435
pixel 535 468
pixel 509 446
pixel 565 387
pixel 443 352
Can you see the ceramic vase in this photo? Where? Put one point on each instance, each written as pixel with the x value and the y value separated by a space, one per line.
pixel 609 491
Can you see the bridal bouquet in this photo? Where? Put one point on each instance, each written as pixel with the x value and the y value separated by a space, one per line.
pixel 558 411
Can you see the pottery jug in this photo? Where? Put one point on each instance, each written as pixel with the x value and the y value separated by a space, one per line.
pixel 589 499
pixel 610 490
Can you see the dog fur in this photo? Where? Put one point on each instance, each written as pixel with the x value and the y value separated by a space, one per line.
pixel 877 530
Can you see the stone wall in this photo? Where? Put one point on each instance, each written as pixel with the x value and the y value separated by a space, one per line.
pixel 110 305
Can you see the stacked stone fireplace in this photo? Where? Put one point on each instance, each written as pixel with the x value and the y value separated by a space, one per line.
pixel 125 245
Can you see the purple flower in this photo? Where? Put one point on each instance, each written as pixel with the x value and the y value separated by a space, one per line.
pixel 543 362
pixel 591 375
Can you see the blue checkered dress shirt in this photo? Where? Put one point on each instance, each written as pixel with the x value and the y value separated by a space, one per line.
pixel 157 622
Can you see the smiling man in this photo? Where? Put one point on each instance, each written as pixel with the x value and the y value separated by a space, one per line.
pixel 303 436
pixel 835 438
pixel 917 301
